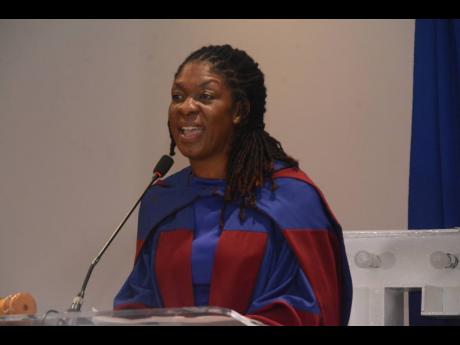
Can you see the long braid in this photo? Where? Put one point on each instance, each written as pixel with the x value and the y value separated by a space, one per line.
pixel 253 151
pixel 172 145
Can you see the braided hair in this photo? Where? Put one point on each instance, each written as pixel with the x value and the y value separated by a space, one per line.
pixel 253 151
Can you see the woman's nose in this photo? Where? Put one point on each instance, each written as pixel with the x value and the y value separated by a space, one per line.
pixel 188 106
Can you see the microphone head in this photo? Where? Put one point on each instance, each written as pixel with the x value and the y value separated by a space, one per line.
pixel 164 164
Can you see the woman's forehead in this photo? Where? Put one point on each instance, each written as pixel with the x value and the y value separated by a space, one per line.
pixel 198 72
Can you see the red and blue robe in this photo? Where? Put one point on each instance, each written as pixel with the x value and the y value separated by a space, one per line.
pixel 285 264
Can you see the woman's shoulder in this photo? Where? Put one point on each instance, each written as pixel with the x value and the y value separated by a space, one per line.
pixel 292 185
pixel 296 200
pixel 294 181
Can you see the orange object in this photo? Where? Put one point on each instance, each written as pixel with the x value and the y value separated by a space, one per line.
pixel 19 303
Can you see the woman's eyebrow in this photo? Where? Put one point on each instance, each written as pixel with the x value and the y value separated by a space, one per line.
pixel 209 82
pixel 203 84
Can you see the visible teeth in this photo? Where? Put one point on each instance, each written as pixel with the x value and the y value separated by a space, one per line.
pixel 190 129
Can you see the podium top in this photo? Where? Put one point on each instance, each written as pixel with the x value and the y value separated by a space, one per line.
pixel 189 316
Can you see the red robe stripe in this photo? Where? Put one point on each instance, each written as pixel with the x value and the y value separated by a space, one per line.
pixel 238 257
pixel 174 250
pixel 316 250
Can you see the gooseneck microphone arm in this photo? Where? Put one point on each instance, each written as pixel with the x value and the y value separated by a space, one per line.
pixel 160 170
pixel 78 299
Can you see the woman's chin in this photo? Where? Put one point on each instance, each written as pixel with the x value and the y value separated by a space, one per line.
pixel 191 153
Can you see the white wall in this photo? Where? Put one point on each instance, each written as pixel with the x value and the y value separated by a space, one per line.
pixel 83 108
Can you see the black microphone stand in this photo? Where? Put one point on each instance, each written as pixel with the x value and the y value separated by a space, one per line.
pixel 78 299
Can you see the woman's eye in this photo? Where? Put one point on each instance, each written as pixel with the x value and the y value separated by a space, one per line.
pixel 206 97
pixel 176 97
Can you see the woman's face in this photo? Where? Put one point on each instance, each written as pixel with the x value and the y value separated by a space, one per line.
pixel 201 113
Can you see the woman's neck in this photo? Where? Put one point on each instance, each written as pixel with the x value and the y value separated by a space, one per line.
pixel 210 168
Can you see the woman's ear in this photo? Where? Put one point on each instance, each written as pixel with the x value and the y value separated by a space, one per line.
pixel 236 119
pixel 242 110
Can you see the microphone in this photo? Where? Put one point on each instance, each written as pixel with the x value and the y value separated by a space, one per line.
pixel 160 170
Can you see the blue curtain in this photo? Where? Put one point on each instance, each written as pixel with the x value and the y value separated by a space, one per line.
pixel 434 182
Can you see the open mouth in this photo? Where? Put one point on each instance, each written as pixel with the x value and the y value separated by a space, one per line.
pixel 190 132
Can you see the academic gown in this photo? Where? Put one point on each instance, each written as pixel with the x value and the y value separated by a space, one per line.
pixel 291 272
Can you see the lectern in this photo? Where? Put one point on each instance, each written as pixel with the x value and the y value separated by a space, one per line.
pixel 190 316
